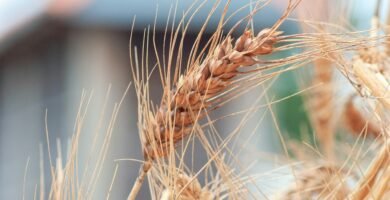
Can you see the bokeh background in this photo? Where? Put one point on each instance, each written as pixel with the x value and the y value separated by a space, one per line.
pixel 52 50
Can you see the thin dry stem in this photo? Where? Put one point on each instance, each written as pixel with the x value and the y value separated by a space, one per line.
pixel 140 179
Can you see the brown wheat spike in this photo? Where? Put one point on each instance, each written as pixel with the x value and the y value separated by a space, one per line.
pixel 186 188
pixel 322 182
pixel 356 122
pixel 194 92
pixel 190 97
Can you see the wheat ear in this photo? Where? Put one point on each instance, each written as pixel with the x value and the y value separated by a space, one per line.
pixel 196 91
pixel 377 85
pixel 322 105
pixel 375 82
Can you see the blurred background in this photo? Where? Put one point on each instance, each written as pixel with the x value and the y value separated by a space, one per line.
pixel 52 50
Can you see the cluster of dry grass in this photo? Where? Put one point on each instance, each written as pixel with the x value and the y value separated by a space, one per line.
pixel 227 67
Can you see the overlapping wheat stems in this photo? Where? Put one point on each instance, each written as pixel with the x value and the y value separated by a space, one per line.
pixel 325 181
pixel 195 92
